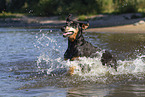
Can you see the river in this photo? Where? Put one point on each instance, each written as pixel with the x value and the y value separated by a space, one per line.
pixel 28 56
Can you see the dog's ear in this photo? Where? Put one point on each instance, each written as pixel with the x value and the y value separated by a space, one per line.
pixel 84 25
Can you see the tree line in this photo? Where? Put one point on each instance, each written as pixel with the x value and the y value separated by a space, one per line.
pixel 79 7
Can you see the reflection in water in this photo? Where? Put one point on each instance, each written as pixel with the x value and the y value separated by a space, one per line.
pixel 94 91
pixel 128 90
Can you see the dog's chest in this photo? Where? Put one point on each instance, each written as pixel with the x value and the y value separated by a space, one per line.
pixel 86 49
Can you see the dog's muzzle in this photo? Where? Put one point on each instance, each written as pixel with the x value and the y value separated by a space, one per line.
pixel 68 33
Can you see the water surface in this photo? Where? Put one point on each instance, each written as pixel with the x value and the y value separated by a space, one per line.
pixel 28 56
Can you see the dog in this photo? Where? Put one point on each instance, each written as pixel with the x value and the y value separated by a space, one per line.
pixel 79 47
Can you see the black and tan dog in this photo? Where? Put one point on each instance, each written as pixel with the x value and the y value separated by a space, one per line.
pixel 79 47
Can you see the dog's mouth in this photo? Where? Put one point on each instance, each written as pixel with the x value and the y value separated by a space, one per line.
pixel 67 34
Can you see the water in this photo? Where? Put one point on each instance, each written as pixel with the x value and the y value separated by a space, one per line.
pixel 29 56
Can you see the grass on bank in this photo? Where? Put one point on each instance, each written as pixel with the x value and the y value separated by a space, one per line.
pixel 93 17
pixel 10 15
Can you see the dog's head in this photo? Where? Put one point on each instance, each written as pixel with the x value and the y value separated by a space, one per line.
pixel 73 28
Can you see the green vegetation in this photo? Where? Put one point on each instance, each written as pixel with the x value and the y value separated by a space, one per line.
pixel 77 7
pixel 10 15
pixel 82 18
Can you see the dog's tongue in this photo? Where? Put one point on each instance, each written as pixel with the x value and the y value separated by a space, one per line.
pixel 67 33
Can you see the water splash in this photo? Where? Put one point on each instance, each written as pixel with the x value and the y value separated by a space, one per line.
pixel 132 66
pixel 50 52
pixel 51 58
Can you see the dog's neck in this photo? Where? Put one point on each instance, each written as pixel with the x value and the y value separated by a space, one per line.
pixel 78 41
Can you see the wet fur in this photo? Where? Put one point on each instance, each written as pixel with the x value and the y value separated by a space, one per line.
pixel 79 47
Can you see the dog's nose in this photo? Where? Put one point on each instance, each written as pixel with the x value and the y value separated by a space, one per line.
pixel 62 29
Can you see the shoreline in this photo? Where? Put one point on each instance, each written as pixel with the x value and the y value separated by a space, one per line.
pixel 120 29
pixel 109 24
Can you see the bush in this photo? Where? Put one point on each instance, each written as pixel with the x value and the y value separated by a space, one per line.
pixel 45 8
pixel 77 7
pixel 128 6
pixel 57 7
pixel 2 5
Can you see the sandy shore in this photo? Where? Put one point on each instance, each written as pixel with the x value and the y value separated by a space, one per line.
pixel 123 23
pixel 120 29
